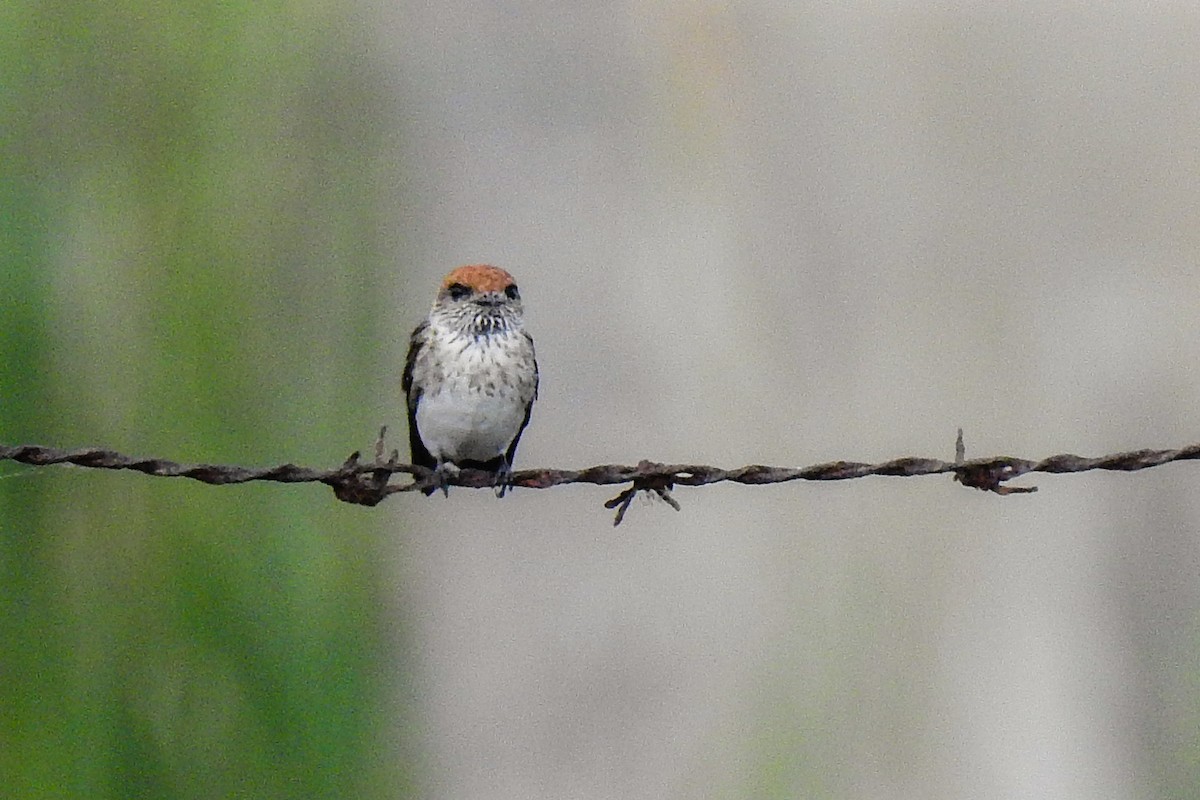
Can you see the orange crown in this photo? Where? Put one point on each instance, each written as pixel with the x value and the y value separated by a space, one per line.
pixel 480 277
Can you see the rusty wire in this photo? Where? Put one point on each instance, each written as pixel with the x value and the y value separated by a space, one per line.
pixel 368 483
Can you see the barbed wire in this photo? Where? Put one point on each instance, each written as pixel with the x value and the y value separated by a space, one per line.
pixel 368 483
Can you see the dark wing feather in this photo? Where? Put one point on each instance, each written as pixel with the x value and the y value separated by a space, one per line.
pixel 420 455
pixel 512 448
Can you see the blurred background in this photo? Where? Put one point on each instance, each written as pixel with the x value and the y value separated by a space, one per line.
pixel 767 232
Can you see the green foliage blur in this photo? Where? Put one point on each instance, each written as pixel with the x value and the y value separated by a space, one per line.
pixel 191 267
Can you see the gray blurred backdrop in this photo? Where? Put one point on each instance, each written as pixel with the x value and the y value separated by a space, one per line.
pixel 787 233
pixel 765 232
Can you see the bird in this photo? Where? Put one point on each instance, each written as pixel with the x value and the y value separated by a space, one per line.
pixel 470 378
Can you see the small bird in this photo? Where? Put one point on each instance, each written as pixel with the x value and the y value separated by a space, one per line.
pixel 470 377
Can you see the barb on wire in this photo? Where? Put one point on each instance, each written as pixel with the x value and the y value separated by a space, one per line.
pixel 368 483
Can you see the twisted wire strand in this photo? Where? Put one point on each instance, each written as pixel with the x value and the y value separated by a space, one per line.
pixel 367 483
pixel 603 474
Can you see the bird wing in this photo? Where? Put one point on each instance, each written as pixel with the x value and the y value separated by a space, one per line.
pixel 420 455
pixel 512 448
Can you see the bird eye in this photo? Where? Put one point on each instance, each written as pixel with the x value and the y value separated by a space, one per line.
pixel 511 292
pixel 458 291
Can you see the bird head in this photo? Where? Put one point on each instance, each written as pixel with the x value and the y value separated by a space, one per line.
pixel 479 299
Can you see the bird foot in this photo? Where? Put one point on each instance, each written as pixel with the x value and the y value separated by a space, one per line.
pixel 503 481
pixel 442 475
